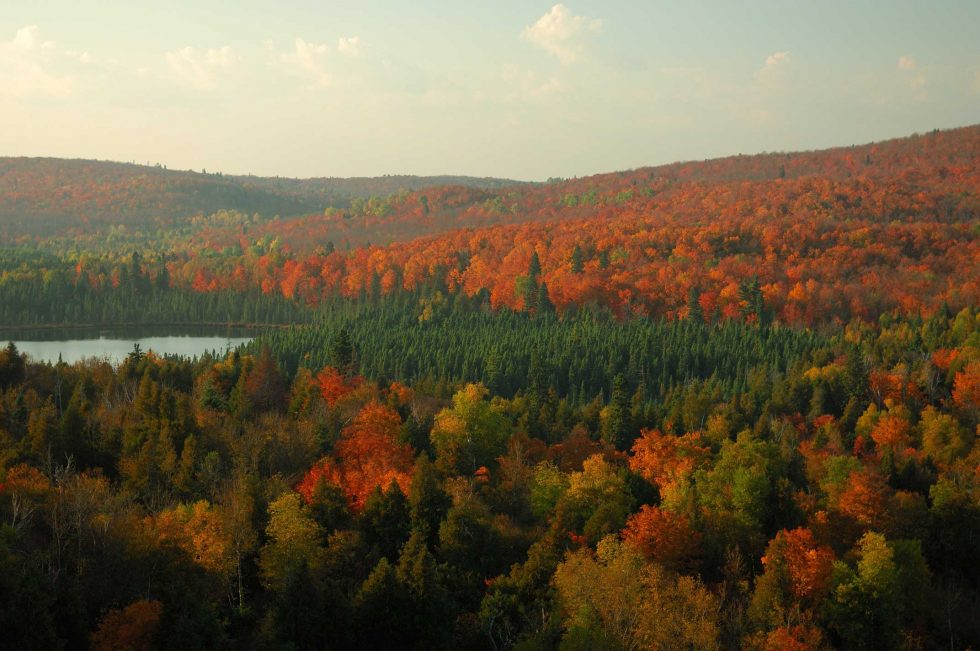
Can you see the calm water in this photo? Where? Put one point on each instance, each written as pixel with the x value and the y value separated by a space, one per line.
pixel 74 345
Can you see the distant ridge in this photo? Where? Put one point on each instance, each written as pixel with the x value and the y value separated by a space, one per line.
pixel 42 196
pixel 39 194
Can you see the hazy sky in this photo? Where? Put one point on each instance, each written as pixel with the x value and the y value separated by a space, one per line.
pixel 518 89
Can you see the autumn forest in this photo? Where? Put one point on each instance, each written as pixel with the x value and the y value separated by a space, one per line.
pixel 721 404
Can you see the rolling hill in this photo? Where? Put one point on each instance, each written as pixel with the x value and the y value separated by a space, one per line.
pixel 41 195
pixel 845 233
pixel 805 238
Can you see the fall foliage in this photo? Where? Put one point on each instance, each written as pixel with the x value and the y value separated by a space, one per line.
pixel 368 455
pixel 718 404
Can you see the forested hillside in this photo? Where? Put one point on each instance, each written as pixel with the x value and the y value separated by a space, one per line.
pixel 40 196
pixel 805 239
pixel 829 236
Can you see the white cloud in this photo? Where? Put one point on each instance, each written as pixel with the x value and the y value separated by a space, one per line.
pixel 25 67
pixel 201 69
pixel 909 69
pixel 524 84
pixel 81 57
pixel 777 59
pixel 774 67
pixel 561 33
pixel 28 38
pixel 350 47
pixel 307 60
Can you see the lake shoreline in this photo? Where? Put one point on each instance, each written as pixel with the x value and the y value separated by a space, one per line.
pixel 115 345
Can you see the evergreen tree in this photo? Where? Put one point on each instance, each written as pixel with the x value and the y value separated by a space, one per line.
pixel 543 304
pixel 534 267
pixel 750 294
pixel 428 502
pixel 310 612
pixel 342 352
pixel 695 313
pixel 240 401
pixel 12 366
pixel 615 418
pixel 577 260
pixel 431 620
pixel 385 523
pixel 383 610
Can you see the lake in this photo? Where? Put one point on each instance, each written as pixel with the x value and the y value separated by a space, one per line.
pixel 76 344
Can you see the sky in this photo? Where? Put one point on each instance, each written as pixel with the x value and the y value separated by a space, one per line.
pixel 523 90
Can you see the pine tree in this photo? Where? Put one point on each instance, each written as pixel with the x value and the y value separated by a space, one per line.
pixel 432 613
pixel 239 402
pixel 615 420
pixel 695 313
pixel 428 502
pixel 577 260
pixel 385 523
pixel 493 373
pixel 12 367
pixel 342 352
pixel 383 610
pixel 543 304
pixel 534 267
pixel 211 398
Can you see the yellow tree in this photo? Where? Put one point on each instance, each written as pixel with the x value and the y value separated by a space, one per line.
pixel 470 434
pixel 293 539
pixel 613 598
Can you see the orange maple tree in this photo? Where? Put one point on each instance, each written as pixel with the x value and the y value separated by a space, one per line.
pixel 129 629
pixel 808 564
pixel 662 458
pixel 663 536
pixel 334 385
pixel 367 455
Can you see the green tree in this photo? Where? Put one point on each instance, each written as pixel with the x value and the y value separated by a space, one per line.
pixel 432 615
pixel 577 260
pixel 310 612
pixel 597 500
pixel 615 417
pixel 384 523
pixel 342 354
pixel 428 502
pixel 534 267
pixel 542 303
pixel 472 550
pixel 383 610
pixel 740 500
pixel 470 434
pixel 12 366
pixel 240 400
pixel 865 606
pixel 293 540
pixel 695 313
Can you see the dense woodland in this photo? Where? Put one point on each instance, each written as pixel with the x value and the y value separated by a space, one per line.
pixel 221 502
pixel 721 405
pixel 825 237
pixel 40 196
